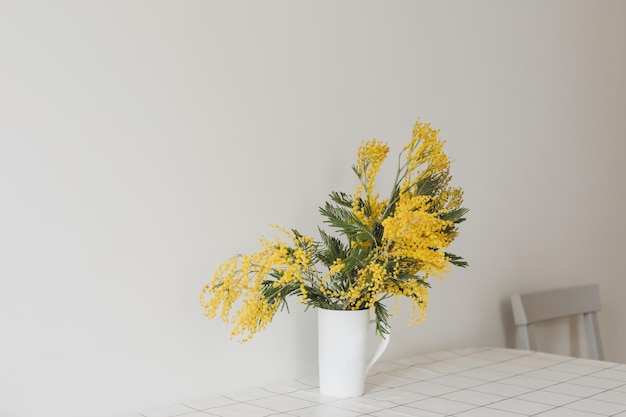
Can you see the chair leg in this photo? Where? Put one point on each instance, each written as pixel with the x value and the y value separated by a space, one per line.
pixel 592 332
pixel 523 337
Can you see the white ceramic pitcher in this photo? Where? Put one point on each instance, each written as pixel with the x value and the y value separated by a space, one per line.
pixel 342 344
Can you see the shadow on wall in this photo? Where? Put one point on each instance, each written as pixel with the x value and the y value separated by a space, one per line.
pixel 507 322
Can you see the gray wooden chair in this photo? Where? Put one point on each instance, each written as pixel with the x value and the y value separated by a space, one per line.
pixel 553 304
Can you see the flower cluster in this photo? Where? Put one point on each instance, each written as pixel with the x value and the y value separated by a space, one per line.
pixel 382 247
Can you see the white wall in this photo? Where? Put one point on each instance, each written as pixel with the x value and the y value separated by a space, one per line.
pixel 144 142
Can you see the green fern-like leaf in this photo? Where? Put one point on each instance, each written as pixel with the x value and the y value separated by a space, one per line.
pixel 346 222
pixel 456 215
pixel 341 198
pixel 456 260
pixel 382 319
pixel 427 185
pixel 331 250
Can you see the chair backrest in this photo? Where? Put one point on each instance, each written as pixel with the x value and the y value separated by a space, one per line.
pixel 553 304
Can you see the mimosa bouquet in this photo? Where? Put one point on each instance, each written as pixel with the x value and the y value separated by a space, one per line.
pixel 379 248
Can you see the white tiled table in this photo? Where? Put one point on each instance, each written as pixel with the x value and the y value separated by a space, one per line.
pixel 473 382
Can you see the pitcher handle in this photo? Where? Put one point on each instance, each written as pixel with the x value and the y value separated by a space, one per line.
pixel 382 345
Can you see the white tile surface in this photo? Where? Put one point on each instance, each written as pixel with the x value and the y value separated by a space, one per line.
pixel 485 374
pixel 282 403
pixel 387 367
pixel 611 396
pixel 249 394
pixel 509 368
pixel 487 412
pixel 551 375
pixel 597 364
pixel 472 382
pixel 240 410
pixel 441 405
pixel 505 390
pixel 312 395
pixel 324 410
pixel 428 388
pixel 473 397
pixel 568 412
pixel 501 354
pixel 397 396
pixel 446 367
pixel 286 388
pixel 549 398
pixel 210 402
pixel 363 405
pixel 172 411
pixel 411 360
pixel 388 380
pixel 470 361
pixel 527 382
pixel 596 406
pixel 616 374
pixel 577 390
pixel 458 381
pixel 404 411
pixel 593 381
pixel 578 369
pixel 516 405
pixel 416 373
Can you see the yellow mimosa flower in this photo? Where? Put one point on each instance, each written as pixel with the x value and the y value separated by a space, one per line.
pixel 383 248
